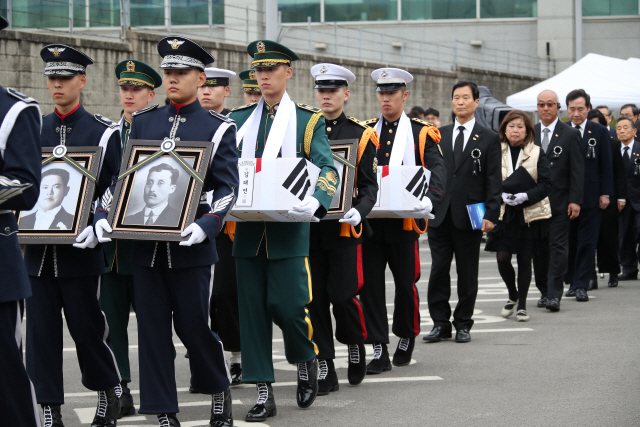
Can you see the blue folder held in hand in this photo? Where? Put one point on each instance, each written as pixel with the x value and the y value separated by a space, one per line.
pixel 476 214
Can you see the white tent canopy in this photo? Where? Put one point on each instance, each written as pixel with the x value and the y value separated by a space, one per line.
pixel 609 81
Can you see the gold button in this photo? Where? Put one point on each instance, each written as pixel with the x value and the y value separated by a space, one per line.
pixel 390 130
pixel 7 230
pixel 395 123
pixel 388 142
pixel 328 129
pixel 271 117
pixel 387 154
pixel 275 108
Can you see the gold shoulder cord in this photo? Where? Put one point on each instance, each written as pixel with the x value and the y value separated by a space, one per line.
pixel 308 132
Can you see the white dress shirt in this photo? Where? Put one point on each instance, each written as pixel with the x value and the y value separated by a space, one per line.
pixel 157 210
pixel 468 128
pixel 582 125
pixel 622 147
pixel 551 128
pixel 44 219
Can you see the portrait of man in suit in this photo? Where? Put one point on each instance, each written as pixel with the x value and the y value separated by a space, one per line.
pixel 161 183
pixel 49 214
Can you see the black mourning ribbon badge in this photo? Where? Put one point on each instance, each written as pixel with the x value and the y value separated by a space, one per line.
pixel 475 155
pixel 167 146
pixel 591 151
pixel 60 152
pixel 557 150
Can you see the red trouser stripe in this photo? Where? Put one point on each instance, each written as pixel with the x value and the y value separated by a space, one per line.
pixel 355 298
pixel 359 267
pixel 416 303
pixel 361 314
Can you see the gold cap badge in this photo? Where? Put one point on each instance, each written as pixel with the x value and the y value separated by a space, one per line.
pixel 261 47
pixel 57 51
pixel 384 74
pixel 131 67
pixel 175 43
pixel 252 75
pixel 324 69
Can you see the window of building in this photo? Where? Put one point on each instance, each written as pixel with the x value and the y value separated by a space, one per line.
pixel 609 7
pixel 360 10
pixel 104 13
pixel 508 8
pixel 147 12
pixel 299 10
pixel 438 9
pixel 50 14
pixel 196 12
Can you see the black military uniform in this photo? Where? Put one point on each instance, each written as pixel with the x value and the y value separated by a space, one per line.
pixel 67 278
pixel 335 250
pixel 173 281
pixel 19 186
pixel 395 242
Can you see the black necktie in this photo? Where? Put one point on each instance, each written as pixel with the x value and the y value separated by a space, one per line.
pixel 149 219
pixel 625 157
pixel 458 146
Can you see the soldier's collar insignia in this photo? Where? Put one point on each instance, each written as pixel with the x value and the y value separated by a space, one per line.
pixel 57 50
pixel 261 47
pixel 131 67
pixel 175 43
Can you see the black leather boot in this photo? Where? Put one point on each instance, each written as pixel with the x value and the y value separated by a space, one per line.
pixel 107 410
pixel 236 373
pixel 52 416
pixel 307 383
pixel 126 402
pixel 402 356
pixel 327 377
pixel 380 362
pixel 265 407
pixel 221 415
pixel 357 367
pixel 168 420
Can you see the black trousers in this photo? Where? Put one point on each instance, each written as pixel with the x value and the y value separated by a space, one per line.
pixel 337 277
pixel 629 239
pixel 225 320
pixel 609 241
pixel 18 402
pixel 404 261
pixel 583 240
pixel 78 297
pixel 164 294
pixel 551 257
pixel 446 241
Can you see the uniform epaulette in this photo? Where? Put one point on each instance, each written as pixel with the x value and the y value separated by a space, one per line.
pixel 104 120
pixel 358 122
pixel 242 107
pixel 309 108
pixel 422 122
pixel 220 116
pixel 145 110
pixel 21 96
pixel 371 121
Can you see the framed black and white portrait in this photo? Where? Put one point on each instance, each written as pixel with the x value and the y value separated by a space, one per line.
pixel 64 203
pixel 158 192
pixel 345 153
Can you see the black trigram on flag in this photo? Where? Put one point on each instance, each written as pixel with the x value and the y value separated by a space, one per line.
pixel 298 181
pixel 418 184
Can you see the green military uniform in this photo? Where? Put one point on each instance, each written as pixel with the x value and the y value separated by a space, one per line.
pixel 274 280
pixel 249 82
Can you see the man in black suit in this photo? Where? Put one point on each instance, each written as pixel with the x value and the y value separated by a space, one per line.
pixel 630 215
pixel 631 111
pixel 598 186
pixel 608 117
pixel 472 159
pixel 161 183
pixel 563 148
pixel 50 215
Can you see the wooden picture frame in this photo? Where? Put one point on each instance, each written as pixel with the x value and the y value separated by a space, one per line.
pixel 342 200
pixel 66 196
pixel 153 182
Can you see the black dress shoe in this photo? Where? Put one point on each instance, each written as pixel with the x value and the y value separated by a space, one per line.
pixel 186 355
pixel 380 362
pixel 581 295
pixel 613 281
pixel 571 292
pixel 593 283
pixel 357 364
pixel 107 410
pixel 236 373
pixel 553 304
pixel 221 415
pixel 168 420
pixel 628 276
pixel 52 416
pixel 307 383
pixel 265 407
pixel 327 378
pixel 126 402
pixel 402 356
pixel 542 302
pixel 462 335
pixel 437 334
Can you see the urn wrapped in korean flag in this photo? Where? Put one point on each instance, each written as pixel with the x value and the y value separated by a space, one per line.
pixel 400 190
pixel 269 188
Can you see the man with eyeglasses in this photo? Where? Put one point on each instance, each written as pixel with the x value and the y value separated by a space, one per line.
pixel 606 112
pixel 631 111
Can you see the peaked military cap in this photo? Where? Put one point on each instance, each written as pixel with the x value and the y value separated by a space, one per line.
pixel 181 53
pixel 3 23
pixel 63 60
pixel 331 76
pixel 218 76
pixel 267 53
pixel 389 79
pixel 249 84
pixel 136 73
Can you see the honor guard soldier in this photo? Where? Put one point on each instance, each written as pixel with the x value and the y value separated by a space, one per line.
pixel 250 88
pixel 395 241
pixel 274 281
pixel 19 186
pixel 137 82
pixel 66 277
pixel 335 250
pixel 172 280
pixel 215 89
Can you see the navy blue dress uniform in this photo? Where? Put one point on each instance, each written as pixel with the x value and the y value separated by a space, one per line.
pixel 172 282
pixel 19 186
pixel 67 278
pixel 395 241
pixel 630 216
pixel 335 250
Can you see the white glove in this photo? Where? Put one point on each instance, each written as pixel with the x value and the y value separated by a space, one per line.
pixel 505 198
pixel 305 210
pixel 423 210
pixel 352 217
pixel 87 238
pixel 197 235
pixel 102 226
pixel 519 199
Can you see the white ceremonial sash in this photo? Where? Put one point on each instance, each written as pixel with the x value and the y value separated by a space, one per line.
pixel 403 151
